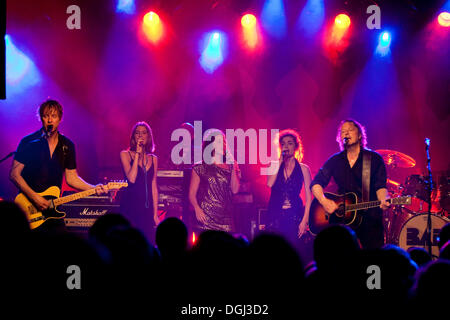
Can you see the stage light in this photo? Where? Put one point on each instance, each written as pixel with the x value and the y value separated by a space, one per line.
pixel 311 18
pixel 251 35
pixel 126 6
pixel 385 39
pixel 152 27
pixel 21 72
pixel 384 43
pixel 151 19
pixel 273 18
pixel 248 21
pixel 337 36
pixel 342 21
pixel 18 65
pixel 212 54
pixel 444 19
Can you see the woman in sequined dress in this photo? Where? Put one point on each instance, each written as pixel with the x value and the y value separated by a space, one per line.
pixel 286 212
pixel 213 183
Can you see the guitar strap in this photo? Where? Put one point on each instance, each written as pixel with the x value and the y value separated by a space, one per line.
pixel 367 156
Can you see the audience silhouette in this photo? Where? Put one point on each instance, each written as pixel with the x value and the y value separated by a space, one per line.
pixel 121 267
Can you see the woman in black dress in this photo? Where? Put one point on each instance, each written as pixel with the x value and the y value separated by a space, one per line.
pixel 139 201
pixel 286 212
pixel 212 187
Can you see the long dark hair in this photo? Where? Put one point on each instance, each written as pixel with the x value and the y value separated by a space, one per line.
pixel 150 145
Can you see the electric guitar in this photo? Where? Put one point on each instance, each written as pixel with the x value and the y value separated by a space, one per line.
pixel 346 213
pixel 36 218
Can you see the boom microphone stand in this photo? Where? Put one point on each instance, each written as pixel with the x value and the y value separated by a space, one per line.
pixel 430 189
pixel 9 155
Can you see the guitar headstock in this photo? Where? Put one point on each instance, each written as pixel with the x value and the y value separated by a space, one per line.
pixel 405 200
pixel 116 185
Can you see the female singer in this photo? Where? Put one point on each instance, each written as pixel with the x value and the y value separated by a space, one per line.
pixel 286 212
pixel 139 201
pixel 212 186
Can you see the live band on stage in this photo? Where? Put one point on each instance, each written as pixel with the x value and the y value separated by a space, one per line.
pixel 404 225
pixel 414 210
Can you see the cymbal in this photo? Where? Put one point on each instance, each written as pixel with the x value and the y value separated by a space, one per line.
pixel 396 159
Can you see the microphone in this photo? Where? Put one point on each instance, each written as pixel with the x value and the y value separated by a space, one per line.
pixel 284 153
pixel 49 130
pixel 346 141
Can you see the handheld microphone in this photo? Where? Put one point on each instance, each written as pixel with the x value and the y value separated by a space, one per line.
pixel 284 153
pixel 346 140
pixel 49 130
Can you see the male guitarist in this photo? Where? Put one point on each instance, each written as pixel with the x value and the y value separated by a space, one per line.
pixel 43 157
pixel 346 167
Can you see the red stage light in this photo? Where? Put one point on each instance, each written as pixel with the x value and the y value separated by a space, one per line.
pixel 151 19
pixel 250 32
pixel 342 21
pixel 248 21
pixel 152 26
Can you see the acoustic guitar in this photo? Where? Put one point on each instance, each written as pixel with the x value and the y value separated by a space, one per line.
pixel 349 211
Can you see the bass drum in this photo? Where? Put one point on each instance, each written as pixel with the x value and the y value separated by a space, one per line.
pixel 414 232
pixel 394 219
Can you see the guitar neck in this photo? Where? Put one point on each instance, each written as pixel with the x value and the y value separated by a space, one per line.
pixel 73 197
pixel 362 205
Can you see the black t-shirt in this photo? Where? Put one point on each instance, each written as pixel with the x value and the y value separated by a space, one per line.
pixel 349 179
pixel 40 171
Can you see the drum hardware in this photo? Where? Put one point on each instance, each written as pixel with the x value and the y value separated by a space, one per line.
pixel 394 219
pixel 443 193
pixel 417 224
pixel 429 189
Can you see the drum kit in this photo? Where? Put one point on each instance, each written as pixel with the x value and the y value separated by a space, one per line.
pixel 406 226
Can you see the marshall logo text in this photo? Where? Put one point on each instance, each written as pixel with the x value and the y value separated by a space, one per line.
pixel 88 212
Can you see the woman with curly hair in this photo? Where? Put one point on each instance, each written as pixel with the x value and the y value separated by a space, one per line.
pixel 287 214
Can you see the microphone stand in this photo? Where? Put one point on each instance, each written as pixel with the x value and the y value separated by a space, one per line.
pixel 430 189
pixel 9 155
pixel 346 178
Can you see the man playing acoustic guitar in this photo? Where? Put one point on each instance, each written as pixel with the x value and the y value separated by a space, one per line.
pixel 43 157
pixel 346 167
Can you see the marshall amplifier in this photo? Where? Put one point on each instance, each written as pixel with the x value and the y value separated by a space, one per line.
pixel 81 214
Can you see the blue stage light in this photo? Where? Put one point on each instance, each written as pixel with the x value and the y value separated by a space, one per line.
pixel 126 6
pixel 212 55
